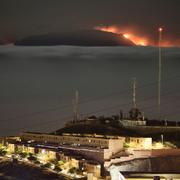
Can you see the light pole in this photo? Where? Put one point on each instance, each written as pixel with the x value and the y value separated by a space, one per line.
pixel 134 93
pixel 162 139
pixel 159 71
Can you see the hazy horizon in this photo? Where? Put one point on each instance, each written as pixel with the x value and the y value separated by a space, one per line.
pixel 38 83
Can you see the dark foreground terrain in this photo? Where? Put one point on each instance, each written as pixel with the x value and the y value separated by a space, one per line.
pixel 23 171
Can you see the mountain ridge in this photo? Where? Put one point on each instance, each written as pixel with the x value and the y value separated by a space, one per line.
pixel 78 38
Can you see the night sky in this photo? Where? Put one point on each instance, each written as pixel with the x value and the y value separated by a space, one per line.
pixel 36 79
pixel 20 18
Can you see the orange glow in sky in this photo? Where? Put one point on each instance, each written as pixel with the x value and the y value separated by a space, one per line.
pixel 128 35
pixel 136 38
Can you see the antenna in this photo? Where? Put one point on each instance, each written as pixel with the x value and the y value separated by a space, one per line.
pixel 159 71
pixel 134 93
pixel 76 106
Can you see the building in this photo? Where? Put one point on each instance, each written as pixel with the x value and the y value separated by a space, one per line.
pixel 93 168
pixel 103 143
pixel 91 153
pixel 94 147
pixel 139 143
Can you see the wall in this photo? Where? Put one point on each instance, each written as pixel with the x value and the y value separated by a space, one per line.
pixel 157 164
pixel 116 145
pixel 165 152
pixel 93 168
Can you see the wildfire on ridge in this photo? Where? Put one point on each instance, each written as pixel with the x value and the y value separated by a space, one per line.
pixel 128 35
pixel 136 39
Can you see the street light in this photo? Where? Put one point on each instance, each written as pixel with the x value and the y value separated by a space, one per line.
pixel 159 70
pixel 162 139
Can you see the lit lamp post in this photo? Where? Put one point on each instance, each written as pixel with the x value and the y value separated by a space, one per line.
pixel 162 139
pixel 159 71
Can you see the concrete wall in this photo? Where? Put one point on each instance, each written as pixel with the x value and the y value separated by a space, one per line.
pixel 156 153
pixel 167 160
pixel 165 152
pixel 116 145
pixel 158 164
pixel 107 154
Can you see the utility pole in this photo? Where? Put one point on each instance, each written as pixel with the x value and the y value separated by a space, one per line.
pixel 134 93
pixel 76 106
pixel 159 71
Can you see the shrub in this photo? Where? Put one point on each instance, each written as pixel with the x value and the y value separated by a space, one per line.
pixel 170 145
pixel 61 162
pixel 54 161
pixel 32 158
pixel 47 165
pixel 37 162
pixel 3 152
pixel 125 145
pixel 73 170
pixel 57 168
pixel 23 155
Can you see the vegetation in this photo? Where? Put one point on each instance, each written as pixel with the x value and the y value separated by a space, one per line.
pixel 23 155
pixel 30 154
pixel 32 158
pixel 37 162
pixel 50 163
pixel 17 152
pixel 3 150
pixel 169 145
pixel 73 170
pixel 54 161
pixel 57 168
pixel 47 165
pixel 61 162
pixel 126 145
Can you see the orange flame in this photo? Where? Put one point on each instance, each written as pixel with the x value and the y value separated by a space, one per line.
pixel 136 39
pixel 128 35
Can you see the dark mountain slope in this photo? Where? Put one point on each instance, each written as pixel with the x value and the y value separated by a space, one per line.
pixel 77 38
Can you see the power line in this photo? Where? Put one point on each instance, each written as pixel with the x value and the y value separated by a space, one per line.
pixel 70 117
pixel 87 100
pixel 40 124
pixel 126 104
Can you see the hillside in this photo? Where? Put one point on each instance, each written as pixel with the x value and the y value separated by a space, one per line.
pixel 77 38
pixel 94 129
